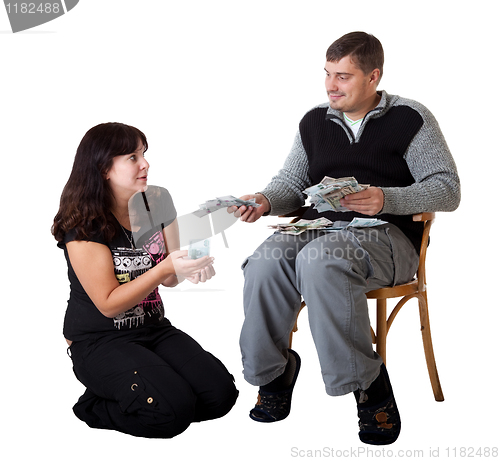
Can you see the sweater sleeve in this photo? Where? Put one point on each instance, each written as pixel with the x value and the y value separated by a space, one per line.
pixel 284 192
pixel 437 185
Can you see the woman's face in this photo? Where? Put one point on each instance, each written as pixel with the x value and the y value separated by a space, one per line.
pixel 129 174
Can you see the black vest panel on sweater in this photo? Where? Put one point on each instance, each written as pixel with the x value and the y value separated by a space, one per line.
pixel 376 159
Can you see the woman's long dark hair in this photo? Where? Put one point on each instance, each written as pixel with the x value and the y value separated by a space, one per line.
pixel 86 199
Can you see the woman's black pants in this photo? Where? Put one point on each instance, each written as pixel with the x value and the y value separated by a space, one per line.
pixel 151 382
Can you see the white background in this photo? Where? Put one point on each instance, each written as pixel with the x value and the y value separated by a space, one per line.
pixel 219 88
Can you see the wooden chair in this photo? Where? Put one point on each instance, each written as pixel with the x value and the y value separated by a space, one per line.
pixel 417 288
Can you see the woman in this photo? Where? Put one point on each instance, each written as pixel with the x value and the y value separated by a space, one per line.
pixel 143 376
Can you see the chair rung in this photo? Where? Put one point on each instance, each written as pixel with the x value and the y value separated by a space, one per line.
pixel 394 292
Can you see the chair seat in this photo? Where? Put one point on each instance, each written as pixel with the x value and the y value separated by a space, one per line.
pixel 394 292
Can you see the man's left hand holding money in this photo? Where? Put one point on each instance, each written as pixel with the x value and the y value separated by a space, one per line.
pixel 368 202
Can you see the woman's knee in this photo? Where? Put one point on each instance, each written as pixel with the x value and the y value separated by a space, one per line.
pixel 219 393
pixel 165 424
pixel 221 401
pixel 158 404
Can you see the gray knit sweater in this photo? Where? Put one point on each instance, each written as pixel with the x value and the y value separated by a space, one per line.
pixel 436 187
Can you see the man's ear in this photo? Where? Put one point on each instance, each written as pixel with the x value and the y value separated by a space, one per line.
pixel 375 76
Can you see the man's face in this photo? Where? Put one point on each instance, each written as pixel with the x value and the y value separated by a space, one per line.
pixel 349 89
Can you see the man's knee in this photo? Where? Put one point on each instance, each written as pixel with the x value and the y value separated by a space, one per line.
pixel 336 252
pixel 270 257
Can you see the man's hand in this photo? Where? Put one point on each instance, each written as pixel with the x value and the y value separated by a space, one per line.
pixel 369 201
pixel 250 213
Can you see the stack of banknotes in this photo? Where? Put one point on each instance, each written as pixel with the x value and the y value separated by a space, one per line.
pixel 302 226
pixel 326 195
pixel 222 202
pixel 324 224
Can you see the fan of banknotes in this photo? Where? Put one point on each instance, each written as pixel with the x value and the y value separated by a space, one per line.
pixel 222 202
pixel 302 226
pixel 326 195
pixel 324 224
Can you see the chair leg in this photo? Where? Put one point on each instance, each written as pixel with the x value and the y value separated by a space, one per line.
pixel 291 335
pixel 428 349
pixel 295 327
pixel 382 328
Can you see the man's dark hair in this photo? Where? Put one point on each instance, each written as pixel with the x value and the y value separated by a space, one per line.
pixel 365 50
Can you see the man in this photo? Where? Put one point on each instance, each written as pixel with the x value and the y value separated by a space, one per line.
pixel 395 145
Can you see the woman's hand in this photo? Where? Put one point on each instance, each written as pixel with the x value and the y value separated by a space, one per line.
pixel 194 270
pixel 171 281
pixel 205 274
